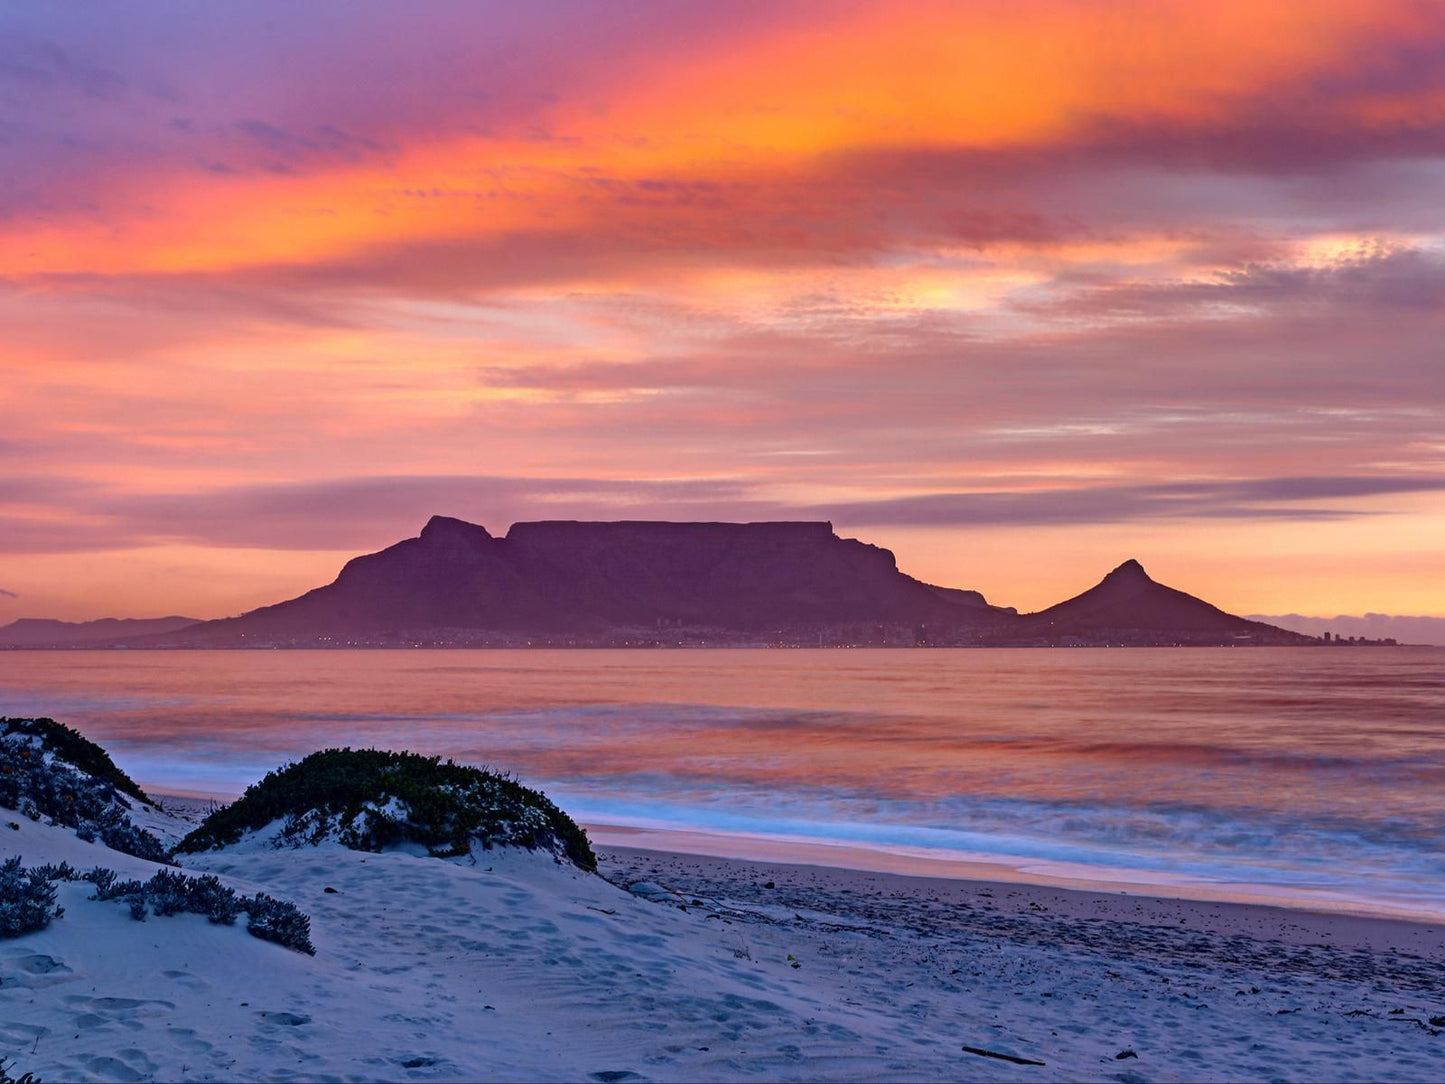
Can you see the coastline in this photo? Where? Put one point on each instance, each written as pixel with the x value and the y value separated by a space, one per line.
pixel 697 855
pixel 1106 883
pixel 1125 887
pixel 1084 891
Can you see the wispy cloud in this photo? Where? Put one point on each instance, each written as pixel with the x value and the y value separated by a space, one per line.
pixel 902 266
pixel 1259 498
pixel 360 513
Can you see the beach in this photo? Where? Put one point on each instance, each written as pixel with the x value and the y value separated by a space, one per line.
pixel 508 965
pixel 1196 990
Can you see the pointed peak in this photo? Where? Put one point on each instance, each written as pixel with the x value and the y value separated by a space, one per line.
pixel 1129 570
pixel 443 526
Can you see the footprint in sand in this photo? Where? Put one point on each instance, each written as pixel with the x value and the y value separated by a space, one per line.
pixel 36 964
pixel 111 1069
pixel 18 1035
pixel 187 979
pixel 127 1065
pixel 116 1004
pixel 418 1061
pixel 185 1039
pixel 34 970
pixel 285 1019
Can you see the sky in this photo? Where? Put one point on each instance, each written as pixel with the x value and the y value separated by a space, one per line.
pixel 1016 289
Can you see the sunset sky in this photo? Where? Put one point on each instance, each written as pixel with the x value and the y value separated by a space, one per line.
pixel 1016 289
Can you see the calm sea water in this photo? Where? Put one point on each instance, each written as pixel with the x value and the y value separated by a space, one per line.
pixel 1317 770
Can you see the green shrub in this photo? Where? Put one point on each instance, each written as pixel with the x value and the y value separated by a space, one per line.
pixel 108 888
pixel 63 871
pixel 372 798
pixel 27 895
pixel 279 921
pixel 39 779
pixel 27 899
pixel 74 748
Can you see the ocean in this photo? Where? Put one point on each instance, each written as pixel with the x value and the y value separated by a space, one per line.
pixel 1313 775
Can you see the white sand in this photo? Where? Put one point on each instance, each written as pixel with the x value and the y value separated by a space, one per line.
pixel 518 968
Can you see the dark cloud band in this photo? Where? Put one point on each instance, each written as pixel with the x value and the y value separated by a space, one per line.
pixel 358 513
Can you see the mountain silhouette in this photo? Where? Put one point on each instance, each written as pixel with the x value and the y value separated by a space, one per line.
pixel 104 632
pixel 646 583
pixel 601 582
pixel 1128 606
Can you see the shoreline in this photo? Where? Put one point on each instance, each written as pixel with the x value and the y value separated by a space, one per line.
pixel 994 871
pixel 1000 874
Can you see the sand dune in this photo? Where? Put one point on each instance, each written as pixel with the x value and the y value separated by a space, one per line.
pixel 516 967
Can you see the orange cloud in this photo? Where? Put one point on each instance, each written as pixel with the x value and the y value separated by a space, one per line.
pixel 762 114
pixel 831 255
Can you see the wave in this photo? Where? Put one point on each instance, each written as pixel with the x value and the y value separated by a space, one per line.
pixel 1168 841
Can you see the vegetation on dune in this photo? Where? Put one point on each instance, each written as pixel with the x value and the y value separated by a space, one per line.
pixel 49 772
pixel 27 901
pixel 369 799
pixel 74 748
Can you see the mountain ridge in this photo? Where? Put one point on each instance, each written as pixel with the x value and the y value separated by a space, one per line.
pixel 634 583
pixel 40 632
pixel 656 583
pixel 557 579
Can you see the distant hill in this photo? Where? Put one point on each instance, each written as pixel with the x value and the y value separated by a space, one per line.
pixel 35 632
pixel 1128 607
pixel 618 582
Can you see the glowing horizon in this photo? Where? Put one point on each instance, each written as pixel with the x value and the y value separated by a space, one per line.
pixel 1016 290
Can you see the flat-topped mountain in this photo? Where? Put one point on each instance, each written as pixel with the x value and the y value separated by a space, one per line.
pixel 644 583
pixel 623 582
pixel 44 632
pixel 1126 606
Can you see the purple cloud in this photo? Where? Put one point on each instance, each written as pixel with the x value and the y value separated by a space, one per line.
pixel 364 513
pixel 1262 498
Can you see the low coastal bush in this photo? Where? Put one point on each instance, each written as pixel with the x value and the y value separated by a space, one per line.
pixel 76 749
pixel 279 921
pixel 368 799
pixel 48 771
pixel 27 898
